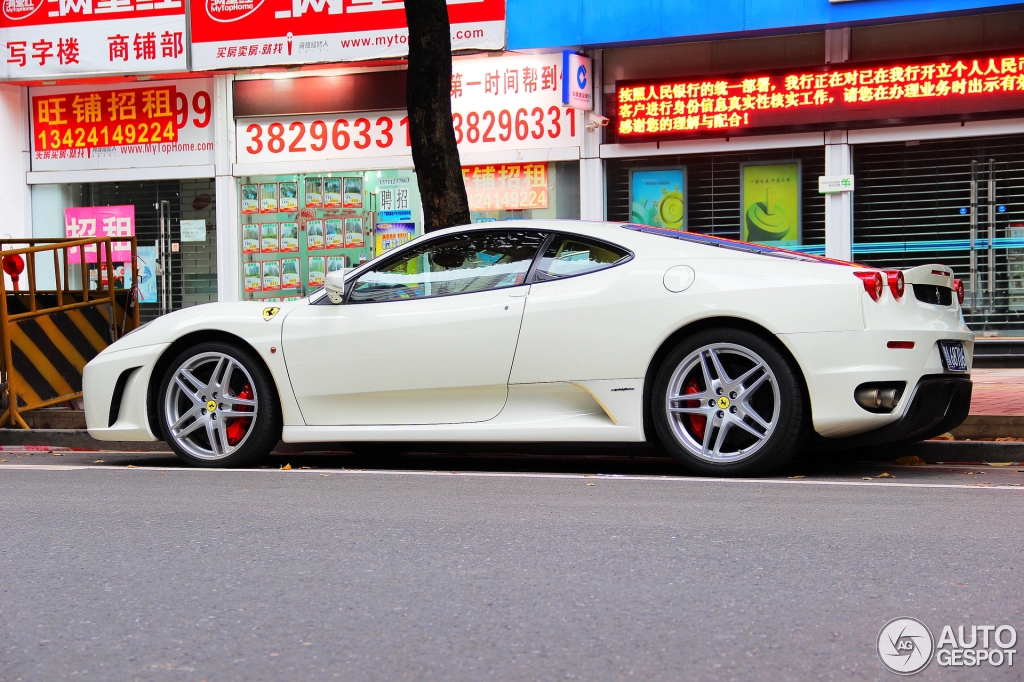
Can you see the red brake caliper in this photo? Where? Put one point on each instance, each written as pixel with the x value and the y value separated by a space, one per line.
pixel 239 425
pixel 697 421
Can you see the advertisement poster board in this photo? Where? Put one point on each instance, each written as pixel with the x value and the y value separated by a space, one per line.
pixel 314 193
pixel 269 242
pixel 147 273
pixel 251 272
pixel 100 221
pixel 46 38
pixel 98 127
pixel 317 268
pixel 289 237
pixel 657 197
pixel 505 186
pixel 770 203
pixel 390 235
pixel 229 34
pixel 314 234
pixel 353 233
pixel 498 104
pixel 334 235
pixel 289 197
pixel 251 238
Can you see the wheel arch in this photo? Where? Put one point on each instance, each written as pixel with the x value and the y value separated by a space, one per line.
pixel 177 347
pixel 676 337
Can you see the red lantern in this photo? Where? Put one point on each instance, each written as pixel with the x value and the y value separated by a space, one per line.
pixel 14 266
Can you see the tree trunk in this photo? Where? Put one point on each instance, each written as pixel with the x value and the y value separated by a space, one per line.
pixel 428 95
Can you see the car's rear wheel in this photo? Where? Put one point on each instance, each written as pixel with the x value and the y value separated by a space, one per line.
pixel 218 406
pixel 726 402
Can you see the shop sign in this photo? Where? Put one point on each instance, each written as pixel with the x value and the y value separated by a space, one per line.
pixel 52 38
pixel 834 184
pixel 247 33
pixel 161 123
pixel 506 187
pixel 100 221
pixel 836 95
pixel 498 104
pixel 576 85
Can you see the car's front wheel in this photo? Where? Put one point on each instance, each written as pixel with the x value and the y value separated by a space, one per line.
pixel 726 402
pixel 218 406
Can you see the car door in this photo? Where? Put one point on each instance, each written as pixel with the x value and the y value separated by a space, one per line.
pixel 573 329
pixel 427 337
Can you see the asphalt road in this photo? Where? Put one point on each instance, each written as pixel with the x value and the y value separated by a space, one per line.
pixel 460 567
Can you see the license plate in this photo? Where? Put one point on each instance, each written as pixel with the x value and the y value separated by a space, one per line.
pixel 953 356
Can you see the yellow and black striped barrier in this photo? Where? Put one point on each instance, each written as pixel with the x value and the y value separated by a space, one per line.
pixel 49 336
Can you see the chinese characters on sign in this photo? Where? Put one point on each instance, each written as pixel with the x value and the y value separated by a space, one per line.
pixel 504 103
pixel 92 127
pixel 506 187
pixel 72 37
pixel 82 121
pixel 100 221
pixel 682 108
pixel 244 33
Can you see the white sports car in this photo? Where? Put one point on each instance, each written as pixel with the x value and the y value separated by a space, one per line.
pixel 730 355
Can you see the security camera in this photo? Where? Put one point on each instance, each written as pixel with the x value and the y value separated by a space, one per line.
pixel 596 121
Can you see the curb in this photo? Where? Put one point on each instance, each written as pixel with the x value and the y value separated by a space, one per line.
pixel 947 452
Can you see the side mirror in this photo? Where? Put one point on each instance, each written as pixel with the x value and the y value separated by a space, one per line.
pixel 335 286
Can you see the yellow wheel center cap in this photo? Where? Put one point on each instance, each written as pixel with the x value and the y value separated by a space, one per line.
pixel 211 405
pixel 723 402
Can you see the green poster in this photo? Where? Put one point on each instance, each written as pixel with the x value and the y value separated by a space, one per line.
pixel 770 201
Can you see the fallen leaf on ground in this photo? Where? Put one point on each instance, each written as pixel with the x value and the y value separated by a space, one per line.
pixel 286 467
pixel 999 464
pixel 943 436
pixel 3 460
pixel 909 461
pixel 799 476
pixel 308 467
pixel 867 478
pixel 325 475
pixel 591 484
pixel 884 475
pixel 130 466
pixel 1009 439
pixel 58 454
pixel 98 461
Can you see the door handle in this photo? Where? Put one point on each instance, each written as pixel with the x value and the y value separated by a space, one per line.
pixel 519 292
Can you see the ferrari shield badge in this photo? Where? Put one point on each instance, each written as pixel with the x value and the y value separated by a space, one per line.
pixel 268 313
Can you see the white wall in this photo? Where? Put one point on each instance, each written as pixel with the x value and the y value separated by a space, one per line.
pixel 15 196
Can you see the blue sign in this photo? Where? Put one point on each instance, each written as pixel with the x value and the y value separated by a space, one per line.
pixel 1001 209
pixel 963 211
pixel 394 216
pixel 575 68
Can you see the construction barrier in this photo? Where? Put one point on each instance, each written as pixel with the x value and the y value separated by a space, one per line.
pixel 48 335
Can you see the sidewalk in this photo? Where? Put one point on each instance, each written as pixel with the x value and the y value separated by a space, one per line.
pixel 998 392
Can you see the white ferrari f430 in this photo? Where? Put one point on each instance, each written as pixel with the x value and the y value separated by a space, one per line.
pixel 729 355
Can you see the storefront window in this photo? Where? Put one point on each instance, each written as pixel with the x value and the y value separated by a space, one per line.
pixel 766 197
pixel 521 191
pixel 297 228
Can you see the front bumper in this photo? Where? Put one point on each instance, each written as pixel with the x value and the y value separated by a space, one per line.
pixel 937 404
pixel 120 377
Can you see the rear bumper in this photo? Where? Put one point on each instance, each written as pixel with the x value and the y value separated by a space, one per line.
pixel 937 404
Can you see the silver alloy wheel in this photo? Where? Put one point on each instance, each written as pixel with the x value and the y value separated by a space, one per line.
pixel 740 410
pixel 202 402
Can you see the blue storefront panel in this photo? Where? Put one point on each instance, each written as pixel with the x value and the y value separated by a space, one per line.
pixel 534 24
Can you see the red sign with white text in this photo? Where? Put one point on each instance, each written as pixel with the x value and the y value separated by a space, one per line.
pixel 116 117
pixel 246 33
pixel 47 38
pixel 841 94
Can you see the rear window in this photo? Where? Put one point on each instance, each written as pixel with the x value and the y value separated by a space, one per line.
pixel 568 256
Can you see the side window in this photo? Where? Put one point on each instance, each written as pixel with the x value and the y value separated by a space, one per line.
pixel 458 264
pixel 567 256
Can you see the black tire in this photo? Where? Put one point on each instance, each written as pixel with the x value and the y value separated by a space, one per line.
pixel 259 434
pixel 747 448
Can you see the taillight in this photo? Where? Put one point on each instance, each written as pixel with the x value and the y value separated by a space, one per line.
pixel 873 283
pixel 897 285
pixel 958 287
